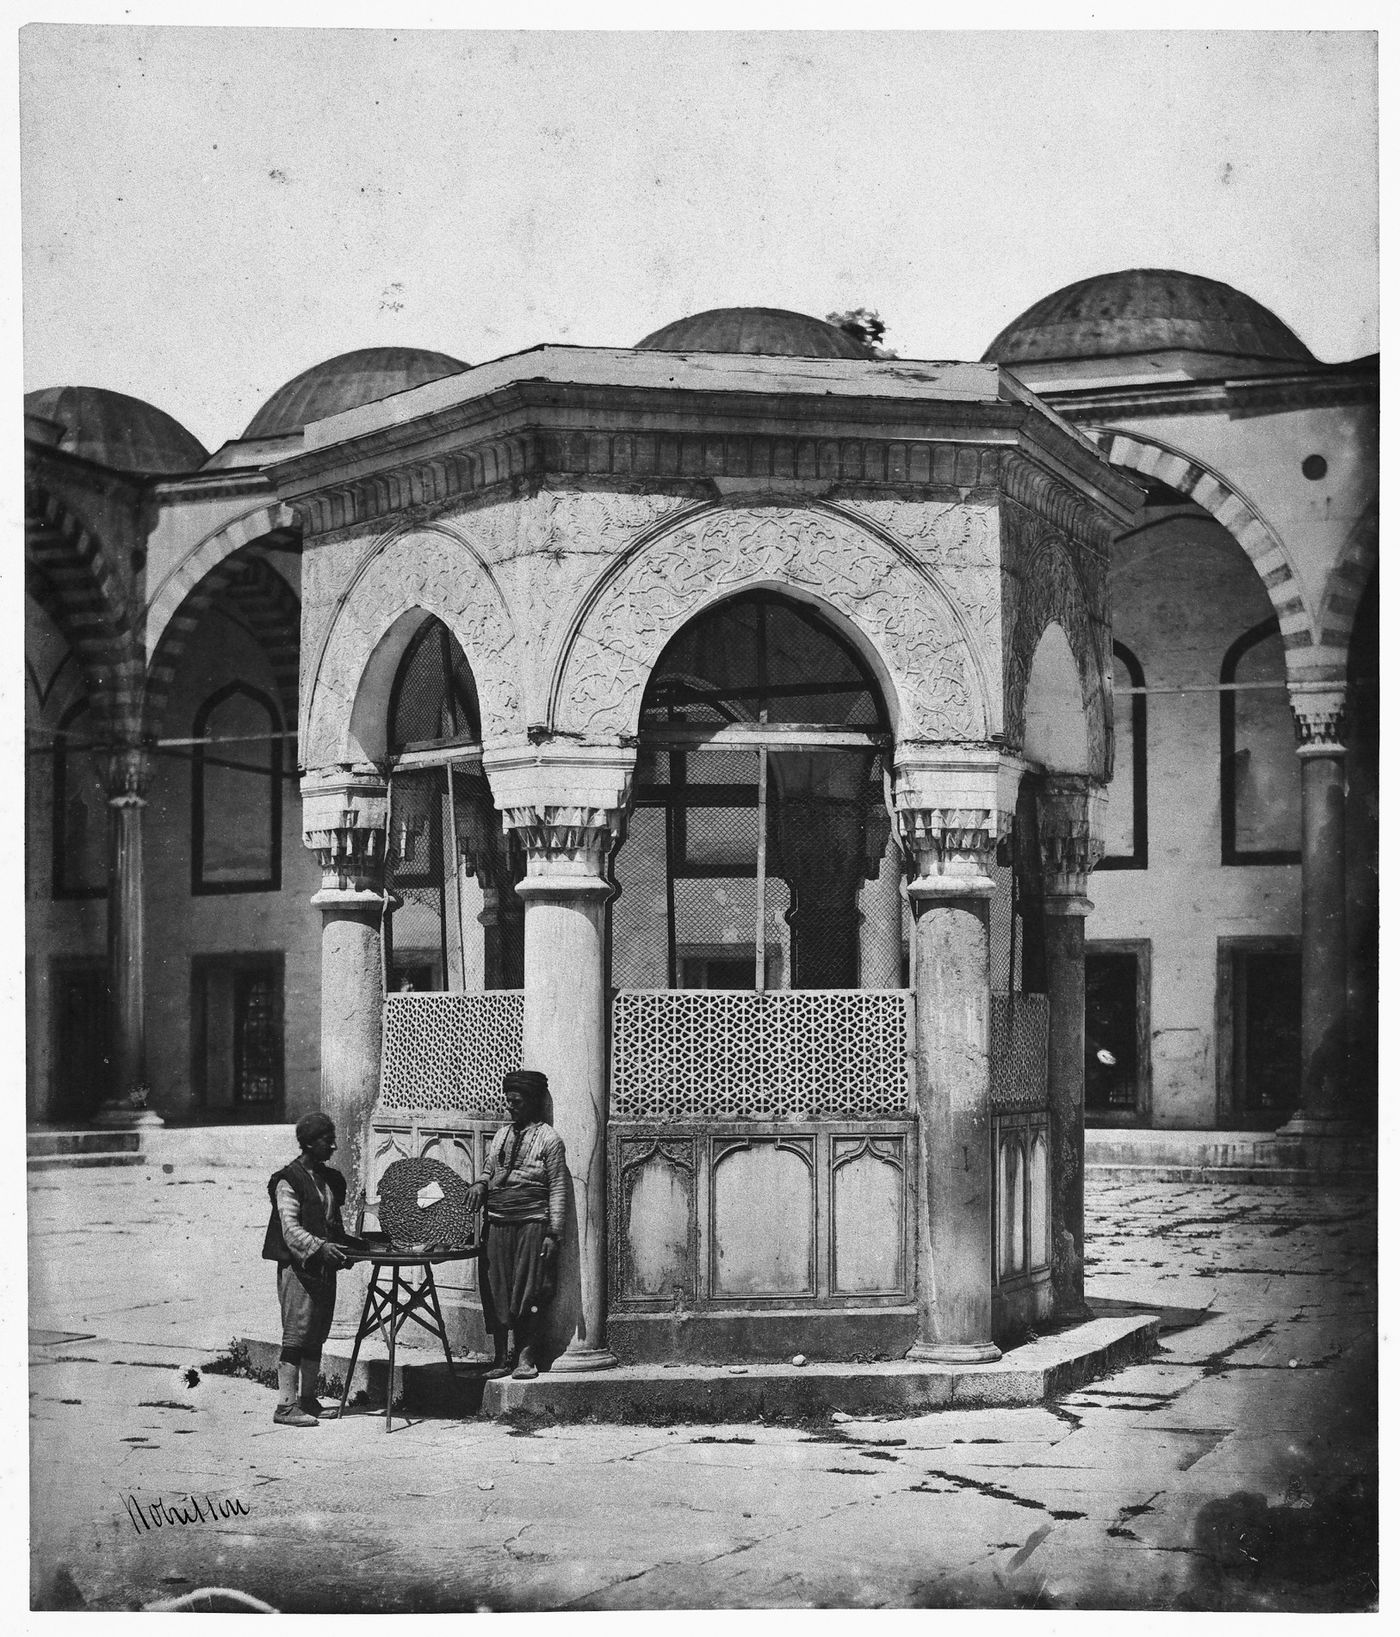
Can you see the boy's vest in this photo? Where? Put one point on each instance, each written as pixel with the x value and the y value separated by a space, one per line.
pixel 314 1217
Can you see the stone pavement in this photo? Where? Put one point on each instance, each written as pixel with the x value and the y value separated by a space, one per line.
pixel 1235 1471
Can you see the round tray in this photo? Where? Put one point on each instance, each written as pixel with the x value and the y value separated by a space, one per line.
pixel 410 1226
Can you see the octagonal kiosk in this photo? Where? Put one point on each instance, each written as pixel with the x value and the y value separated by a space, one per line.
pixel 724 735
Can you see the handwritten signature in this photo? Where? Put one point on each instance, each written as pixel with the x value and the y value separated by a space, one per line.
pixel 164 1514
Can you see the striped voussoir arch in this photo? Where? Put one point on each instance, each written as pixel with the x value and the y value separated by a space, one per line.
pixel 1346 585
pixel 273 525
pixel 1258 540
pixel 69 575
pixel 252 589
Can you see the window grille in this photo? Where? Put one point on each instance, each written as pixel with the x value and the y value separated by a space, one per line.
pixel 717 1056
pixel 759 861
pixel 236 794
pixel 450 1051
pixel 458 924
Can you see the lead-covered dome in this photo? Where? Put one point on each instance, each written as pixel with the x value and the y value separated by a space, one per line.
pixel 347 382
pixel 768 330
pixel 1145 309
pixel 122 433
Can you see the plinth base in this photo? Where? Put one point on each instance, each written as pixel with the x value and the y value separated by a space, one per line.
pixel 576 1361
pixel 126 1119
pixel 927 1352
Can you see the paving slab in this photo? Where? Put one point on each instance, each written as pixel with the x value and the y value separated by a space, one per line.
pixel 1120 1493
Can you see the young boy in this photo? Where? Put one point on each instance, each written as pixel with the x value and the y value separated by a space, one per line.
pixel 302 1235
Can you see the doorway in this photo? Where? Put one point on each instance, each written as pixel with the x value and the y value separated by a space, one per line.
pixel 1260 1000
pixel 237 1036
pixel 81 1038
pixel 1117 1033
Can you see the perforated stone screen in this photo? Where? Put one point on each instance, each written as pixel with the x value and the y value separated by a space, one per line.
pixel 725 1054
pixel 1020 1051
pixel 450 1051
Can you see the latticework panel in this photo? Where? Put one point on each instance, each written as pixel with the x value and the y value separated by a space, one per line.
pixel 722 1054
pixel 1020 1051
pixel 450 1051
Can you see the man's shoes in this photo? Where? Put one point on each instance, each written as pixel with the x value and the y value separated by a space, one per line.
pixel 292 1415
pixel 322 1412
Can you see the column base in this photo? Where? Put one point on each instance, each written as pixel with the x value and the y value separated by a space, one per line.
pixel 574 1361
pixel 1315 1125
pixel 117 1117
pixel 932 1352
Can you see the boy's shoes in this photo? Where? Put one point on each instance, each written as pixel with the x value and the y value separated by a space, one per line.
pixel 502 1367
pixel 524 1371
pixel 292 1415
pixel 322 1412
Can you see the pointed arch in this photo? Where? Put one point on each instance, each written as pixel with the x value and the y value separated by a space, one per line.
pixel 273 526
pixel 70 576
pixel 905 624
pixel 431 568
pixel 1236 514
pixel 252 587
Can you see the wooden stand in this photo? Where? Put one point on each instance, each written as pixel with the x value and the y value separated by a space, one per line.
pixel 386 1310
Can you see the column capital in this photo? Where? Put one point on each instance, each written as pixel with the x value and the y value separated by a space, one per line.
pixel 568 804
pixel 126 773
pixel 345 817
pixel 952 806
pixel 1070 817
pixel 1320 717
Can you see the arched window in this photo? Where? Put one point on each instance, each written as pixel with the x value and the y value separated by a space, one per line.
pixel 79 809
pixel 457 924
pixel 1126 838
pixel 756 856
pixel 236 794
pixel 1260 791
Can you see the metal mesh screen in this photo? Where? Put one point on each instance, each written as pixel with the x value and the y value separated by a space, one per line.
pixel 459 924
pixel 434 695
pixel 714 1056
pixel 685 915
pixel 1020 1051
pixel 450 1051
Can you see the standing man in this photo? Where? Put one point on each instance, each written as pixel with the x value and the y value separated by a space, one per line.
pixel 303 1235
pixel 524 1190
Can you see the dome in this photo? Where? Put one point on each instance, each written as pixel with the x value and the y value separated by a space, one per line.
pixel 756 330
pixel 347 382
pixel 1146 309
pixel 125 434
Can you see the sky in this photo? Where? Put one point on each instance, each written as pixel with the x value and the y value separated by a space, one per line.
pixel 207 212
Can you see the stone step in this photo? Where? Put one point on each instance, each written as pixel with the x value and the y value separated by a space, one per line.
pixel 641 1392
pixel 85 1162
pixel 43 1144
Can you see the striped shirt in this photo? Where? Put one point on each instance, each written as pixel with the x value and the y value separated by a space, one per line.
pixel 525 1176
pixel 303 1245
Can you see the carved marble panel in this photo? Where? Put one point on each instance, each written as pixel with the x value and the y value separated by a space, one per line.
pixel 897 608
pixel 435 568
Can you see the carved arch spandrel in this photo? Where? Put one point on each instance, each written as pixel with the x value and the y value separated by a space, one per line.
pixel 1042 586
pixel 430 567
pixel 907 625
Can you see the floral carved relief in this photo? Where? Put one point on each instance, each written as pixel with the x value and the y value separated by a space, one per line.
pixel 438 571
pixel 898 609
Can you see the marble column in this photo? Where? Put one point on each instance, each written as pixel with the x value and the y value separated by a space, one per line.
pixel 127 773
pixel 881 906
pixel 1319 713
pixel 567 806
pixel 1071 810
pixel 951 852
pixel 344 818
